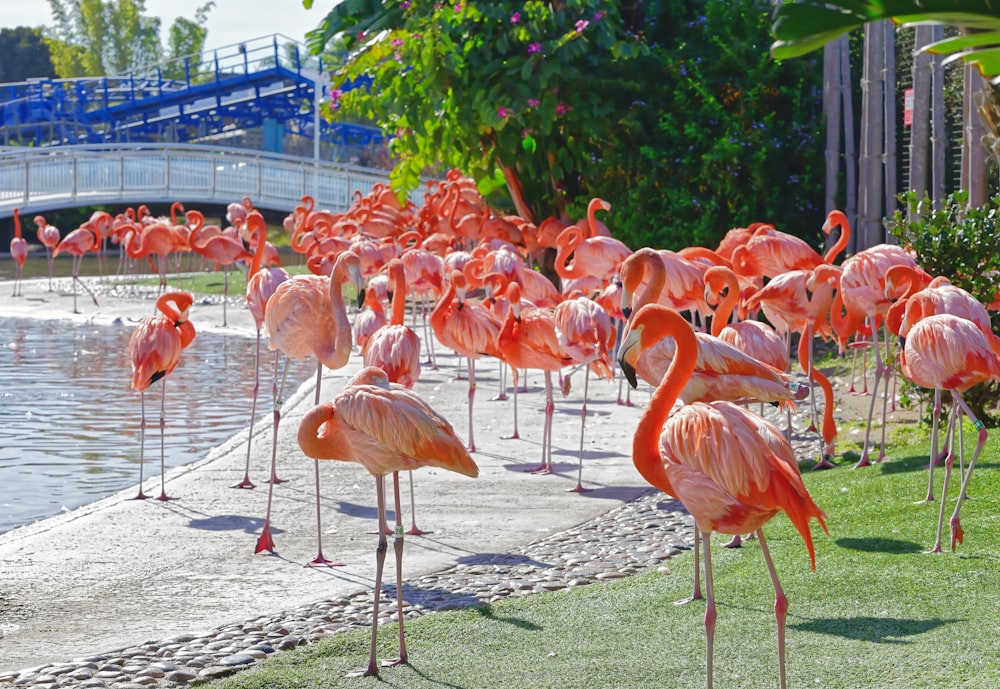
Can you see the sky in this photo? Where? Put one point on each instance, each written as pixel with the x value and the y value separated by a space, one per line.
pixel 229 22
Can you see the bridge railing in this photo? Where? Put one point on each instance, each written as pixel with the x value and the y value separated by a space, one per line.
pixel 40 179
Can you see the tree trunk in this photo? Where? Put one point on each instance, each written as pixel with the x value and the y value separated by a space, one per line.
pixel 939 139
pixel 872 111
pixel 850 143
pixel 891 143
pixel 920 126
pixel 973 151
pixel 833 84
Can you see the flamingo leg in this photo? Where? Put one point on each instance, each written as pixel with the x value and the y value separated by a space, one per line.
pixel 414 530
pixel 583 425
pixel 780 608
pixel 550 407
pixel 163 451
pixel 472 396
pixel 246 482
pixel 710 612
pixel 397 543
pixel 319 560
pixel 957 533
pixel 52 265
pixel 383 545
pixel 142 443
pixel 515 434
pixel 502 395
pixel 696 594
pixel 265 541
pixel 879 374
pixel 935 425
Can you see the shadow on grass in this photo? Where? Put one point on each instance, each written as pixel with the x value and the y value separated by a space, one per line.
pixel 486 611
pixel 881 630
pixel 880 545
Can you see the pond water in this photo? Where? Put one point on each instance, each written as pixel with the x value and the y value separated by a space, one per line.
pixel 69 420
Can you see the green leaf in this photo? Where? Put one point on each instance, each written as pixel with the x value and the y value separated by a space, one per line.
pixel 529 144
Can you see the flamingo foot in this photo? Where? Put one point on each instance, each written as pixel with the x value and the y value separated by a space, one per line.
pixel 245 483
pixel 957 533
pixel 736 542
pixel 275 480
pixel 824 463
pixel 265 542
pixel 141 495
pixel 163 497
pixel 499 398
pixel 370 671
pixel 882 456
pixel 393 662
pixel 864 461
pixel 416 531
pixel 541 470
pixel 690 599
pixel 513 436
pixel 812 428
pixel 935 549
pixel 320 561
pixel 578 489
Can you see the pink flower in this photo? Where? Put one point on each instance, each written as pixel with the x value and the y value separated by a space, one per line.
pixel 597 16
pixel 534 48
pixel 515 18
pixel 534 102
pixel 396 42
pixel 502 112
pixel 562 108
pixel 581 25
pixel 405 4
pixel 458 7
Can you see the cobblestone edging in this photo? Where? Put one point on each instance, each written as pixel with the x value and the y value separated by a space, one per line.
pixel 628 539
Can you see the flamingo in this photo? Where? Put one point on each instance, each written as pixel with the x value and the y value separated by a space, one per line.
pixel 307 317
pixel 732 469
pixel 585 333
pixel 528 339
pixel 261 285
pixel 597 256
pixel 395 349
pixel 155 348
pixel 369 319
pixel 386 428
pixel 18 252
pixel 48 235
pixel 467 328
pixel 77 243
pixel 221 248
pixel 947 352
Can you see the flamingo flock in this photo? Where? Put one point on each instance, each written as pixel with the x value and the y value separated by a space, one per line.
pixel 711 329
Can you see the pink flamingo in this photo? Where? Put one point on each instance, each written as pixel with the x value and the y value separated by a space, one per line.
pixel 586 334
pixel 221 248
pixel 261 285
pixel 733 470
pixel 155 348
pixel 597 256
pixel 307 317
pixel 18 252
pixel 947 352
pixel 386 428
pixel 528 339
pixel 467 328
pixel 77 243
pixel 395 349
pixel 369 319
pixel 48 235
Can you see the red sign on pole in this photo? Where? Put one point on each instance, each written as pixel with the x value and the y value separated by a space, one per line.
pixel 907 107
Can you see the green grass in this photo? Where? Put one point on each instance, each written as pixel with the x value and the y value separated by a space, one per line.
pixel 878 612
pixel 207 282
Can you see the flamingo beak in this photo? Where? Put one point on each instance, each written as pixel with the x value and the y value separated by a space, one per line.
pixel 627 368
pixel 361 297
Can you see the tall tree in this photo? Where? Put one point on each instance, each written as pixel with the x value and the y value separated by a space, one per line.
pixel 97 37
pixel 25 55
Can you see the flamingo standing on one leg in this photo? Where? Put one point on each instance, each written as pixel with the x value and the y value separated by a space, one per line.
pixel 585 333
pixel 48 235
pixel 18 252
pixel 732 469
pixel 467 328
pixel 77 243
pixel 386 428
pixel 155 348
pixel 261 284
pixel 395 348
pixel 307 317
pixel 946 352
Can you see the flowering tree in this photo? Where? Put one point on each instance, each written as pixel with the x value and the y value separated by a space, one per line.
pixel 510 92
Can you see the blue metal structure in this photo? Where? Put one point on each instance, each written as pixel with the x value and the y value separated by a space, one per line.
pixel 267 85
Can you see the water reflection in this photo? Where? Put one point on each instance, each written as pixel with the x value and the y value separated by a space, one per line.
pixel 69 422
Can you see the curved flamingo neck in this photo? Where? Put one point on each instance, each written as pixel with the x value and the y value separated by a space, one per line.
pixel 443 305
pixel 648 260
pixel 593 206
pixel 175 208
pixel 397 275
pixel 834 219
pixel 331 442
pixel 17 223
pixel 346 262
pixel 909 278
pixel 718 277
pixel 258 229
pixel 196 220
pixel 653 324
pixel 568 241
